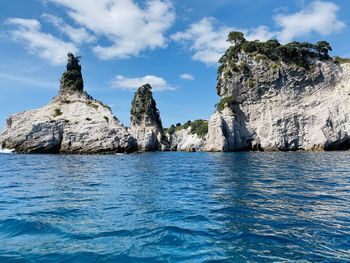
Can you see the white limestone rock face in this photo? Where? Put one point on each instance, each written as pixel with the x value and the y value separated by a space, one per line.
pixel 284 107
pixel 148 137
pixel 70 124
pixel 146 125
pixel 221 131
pixel 184 140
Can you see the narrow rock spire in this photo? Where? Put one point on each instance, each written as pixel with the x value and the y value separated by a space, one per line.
pixel 144 107
pixel 72 79
pixel 146 125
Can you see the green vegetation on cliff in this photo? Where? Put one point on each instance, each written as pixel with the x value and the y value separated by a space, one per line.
pixel 225 102
pixel 72 79
pixel 199 127
pixel 143 104
pixel 58 112
pixel 341 60
pixel 298 53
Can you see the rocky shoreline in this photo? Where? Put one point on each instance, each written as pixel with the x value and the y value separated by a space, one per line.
pixel 267 104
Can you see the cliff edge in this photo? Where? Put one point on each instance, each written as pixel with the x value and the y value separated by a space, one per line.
pixel 280 97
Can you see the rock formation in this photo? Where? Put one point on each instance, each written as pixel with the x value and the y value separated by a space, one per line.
pixel 189 137
pixel 295 100
pixel 184 140
pixel 273 97
pixel 146 125
pixel 72 123
pixel 72 80
pixel 221 131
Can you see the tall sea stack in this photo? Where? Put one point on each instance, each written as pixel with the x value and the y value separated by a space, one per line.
pixel 146 125
pixel 72 123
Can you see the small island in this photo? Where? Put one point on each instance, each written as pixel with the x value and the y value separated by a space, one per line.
pixel 72 123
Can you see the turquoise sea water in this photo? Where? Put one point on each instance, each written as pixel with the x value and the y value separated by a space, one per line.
pixel 175 207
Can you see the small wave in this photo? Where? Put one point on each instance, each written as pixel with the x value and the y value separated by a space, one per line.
pixel 197 218
pixel 117 233
pixel 16 227
pixel 175 234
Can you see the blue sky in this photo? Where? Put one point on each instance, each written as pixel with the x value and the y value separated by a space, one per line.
pixel 174 45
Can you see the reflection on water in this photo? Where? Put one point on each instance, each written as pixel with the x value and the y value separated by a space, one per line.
pixel 234 207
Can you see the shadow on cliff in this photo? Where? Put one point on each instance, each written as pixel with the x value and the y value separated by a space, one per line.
pixel 244 139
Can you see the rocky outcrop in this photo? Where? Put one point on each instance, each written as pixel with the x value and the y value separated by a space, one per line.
pixel 72 123
pixel 146 125
pixel 189 137
pixel 184 140
pixel 278 105
pixel 221 133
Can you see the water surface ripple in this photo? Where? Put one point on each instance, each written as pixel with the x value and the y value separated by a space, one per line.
pixel 175 207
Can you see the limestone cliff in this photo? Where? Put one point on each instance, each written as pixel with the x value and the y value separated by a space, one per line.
pixel 146 125
pixel 300 102
pixel 189 137
pixel 184 140
pixel 72 123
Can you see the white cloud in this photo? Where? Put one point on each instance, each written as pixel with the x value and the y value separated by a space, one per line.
pixel 261 33
pixel 186 76
pixel 30 24
pixel 157 83
pixel 207 40
pixel 319 17
pixel 77 35
pixel 46 46
pixel 129 27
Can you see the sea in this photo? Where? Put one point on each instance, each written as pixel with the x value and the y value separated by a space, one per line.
pixel 176 207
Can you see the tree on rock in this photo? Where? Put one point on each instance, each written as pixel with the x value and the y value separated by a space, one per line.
pixel 236 38
pixel 323 48
pixel 72 79
pixel 73 62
